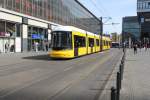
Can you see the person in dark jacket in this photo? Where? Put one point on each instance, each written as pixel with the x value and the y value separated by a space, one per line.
pixel 135 48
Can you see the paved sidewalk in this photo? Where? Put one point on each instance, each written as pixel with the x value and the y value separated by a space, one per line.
pixel 136 82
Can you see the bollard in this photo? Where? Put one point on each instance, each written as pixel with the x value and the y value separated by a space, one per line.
pixel 123 58
pixel 118 83
pixel 113 93
pixel 121 71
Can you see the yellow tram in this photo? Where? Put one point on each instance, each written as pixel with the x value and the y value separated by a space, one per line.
pixel 70 42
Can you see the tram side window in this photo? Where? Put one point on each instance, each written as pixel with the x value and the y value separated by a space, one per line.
pixel 104 42
pixel 91 42
pixel 97 42
pixel 79 41
pixel 108 43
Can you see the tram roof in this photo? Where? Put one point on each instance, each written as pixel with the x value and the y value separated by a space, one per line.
pixel 68 28
pixel 72 28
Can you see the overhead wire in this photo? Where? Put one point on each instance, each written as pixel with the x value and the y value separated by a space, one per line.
pixel 102 11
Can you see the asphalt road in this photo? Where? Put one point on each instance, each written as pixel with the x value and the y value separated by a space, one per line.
pixel 38 77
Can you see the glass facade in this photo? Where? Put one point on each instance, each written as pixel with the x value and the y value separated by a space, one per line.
pixel 131 28
pixel 143 4
pixel 8 32
pixel 37 35
pixel 64 12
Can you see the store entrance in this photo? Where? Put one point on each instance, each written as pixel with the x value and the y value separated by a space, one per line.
pixel 36 38
pixel 7 45
pixel 38 45
pixel 35 45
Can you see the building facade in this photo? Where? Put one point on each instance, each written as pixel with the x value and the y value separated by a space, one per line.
pixel 24 22
pixel 131 29
pixel 143 13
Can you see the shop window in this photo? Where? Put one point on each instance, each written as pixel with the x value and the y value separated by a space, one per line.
pixel 45 34
pixel 2 28
pixel 11 29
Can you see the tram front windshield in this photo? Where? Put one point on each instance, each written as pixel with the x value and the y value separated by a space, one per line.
pixel 61 40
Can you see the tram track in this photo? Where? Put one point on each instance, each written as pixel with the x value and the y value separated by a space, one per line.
pixel 76 65
pixel 46 76
pixel 83 77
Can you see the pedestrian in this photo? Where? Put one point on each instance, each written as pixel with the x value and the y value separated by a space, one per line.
pixel 135 48
pixel 36 46
pixel 140 46
pixel 6 47
pixel 46 46
pixel 145 47
pixel 12 48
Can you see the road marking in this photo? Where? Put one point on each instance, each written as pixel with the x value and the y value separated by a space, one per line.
pixel 73 82
pixel 82 77
pixel 68 68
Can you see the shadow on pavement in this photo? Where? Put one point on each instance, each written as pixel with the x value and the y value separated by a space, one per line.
pixel 43 57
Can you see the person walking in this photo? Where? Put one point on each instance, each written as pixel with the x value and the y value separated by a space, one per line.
pixel 145 47
pixel 135 48
pixel 36 46
pixel 6 47
pixel 46 46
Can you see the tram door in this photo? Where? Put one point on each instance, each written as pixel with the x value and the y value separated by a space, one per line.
pixel 76 46
pixel 76 52
pixel 91 44
pixel 91 49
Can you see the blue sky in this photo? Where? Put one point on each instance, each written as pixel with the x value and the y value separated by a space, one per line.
pixel 111 8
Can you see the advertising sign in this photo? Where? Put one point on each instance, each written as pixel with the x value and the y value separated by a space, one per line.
pixel 37 36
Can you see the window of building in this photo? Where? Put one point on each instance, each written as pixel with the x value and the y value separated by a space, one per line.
pixel 148 4
pixel 18 30
pixel 9 4
pixel 36 34
pixel 18 5
pixel 29 7
pixel 66 12
pixel 11 29
pixel 2 28
pixel 2 3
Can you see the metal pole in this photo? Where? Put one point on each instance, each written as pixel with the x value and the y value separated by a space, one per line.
pixel 118 85
pixel 113 93
pixel 101 33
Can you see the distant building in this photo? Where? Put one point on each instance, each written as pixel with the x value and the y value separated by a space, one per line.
pixel 114 37
pixel 131 29
pixel 143 13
